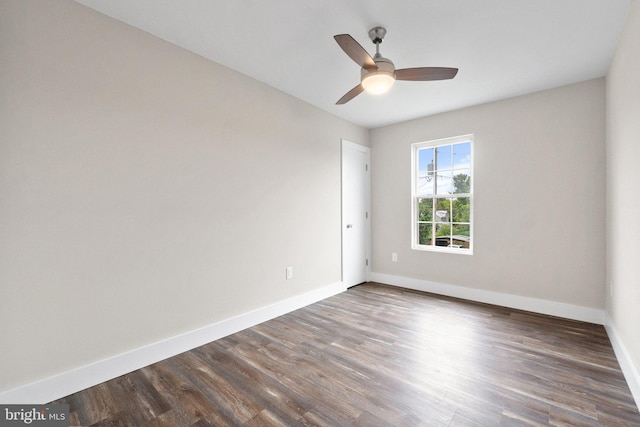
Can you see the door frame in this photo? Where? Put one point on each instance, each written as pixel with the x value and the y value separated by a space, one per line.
pixel 348 145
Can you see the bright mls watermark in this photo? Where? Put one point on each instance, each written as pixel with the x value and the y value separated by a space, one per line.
pixel 34 415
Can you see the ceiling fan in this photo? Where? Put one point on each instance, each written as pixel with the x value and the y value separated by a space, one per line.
pixel 378 73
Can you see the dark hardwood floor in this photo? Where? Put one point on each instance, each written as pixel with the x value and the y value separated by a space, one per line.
pixel 379 356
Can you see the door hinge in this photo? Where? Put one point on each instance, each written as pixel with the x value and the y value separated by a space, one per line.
pixel 366 215
pixel 366 167
pixel 366 262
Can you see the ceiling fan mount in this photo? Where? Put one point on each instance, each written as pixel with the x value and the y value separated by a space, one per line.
pixel 378 73
pixel 376 34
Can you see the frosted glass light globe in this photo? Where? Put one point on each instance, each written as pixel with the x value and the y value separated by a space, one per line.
pixel 378 82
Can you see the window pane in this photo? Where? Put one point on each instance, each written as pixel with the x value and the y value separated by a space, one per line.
pixel 462 155
pixel 443 157
pixel 461 236
pixel 424 186
pixel 424 183
pixel 461 181
pixel 443 210
pixel 444 183
pixel 424 234
pixel 425 158
pixel 443 234
pixel 461 210
pixel 461 230
pixel 425 209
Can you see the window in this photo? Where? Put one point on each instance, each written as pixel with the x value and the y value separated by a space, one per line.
pixel 442 195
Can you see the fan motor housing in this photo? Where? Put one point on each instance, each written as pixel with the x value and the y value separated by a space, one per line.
pixel 385 66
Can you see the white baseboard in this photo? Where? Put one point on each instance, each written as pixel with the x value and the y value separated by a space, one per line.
pixel 629 370
pixel 55 387
pixel 552 308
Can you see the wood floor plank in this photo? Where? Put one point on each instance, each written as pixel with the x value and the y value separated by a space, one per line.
pixel 379 356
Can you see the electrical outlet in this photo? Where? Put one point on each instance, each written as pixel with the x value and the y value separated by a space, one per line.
pixel 289 273
pixel 394 257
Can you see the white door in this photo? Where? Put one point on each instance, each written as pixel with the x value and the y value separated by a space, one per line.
pixel 356 231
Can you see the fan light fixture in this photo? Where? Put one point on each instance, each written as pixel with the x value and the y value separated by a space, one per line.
pixel 378 82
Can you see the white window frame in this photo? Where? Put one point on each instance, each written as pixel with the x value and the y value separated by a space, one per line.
pixel 415 147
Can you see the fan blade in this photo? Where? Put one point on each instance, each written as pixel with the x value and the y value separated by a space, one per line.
pixel 426 73
pixel 350 95
pixel 355 51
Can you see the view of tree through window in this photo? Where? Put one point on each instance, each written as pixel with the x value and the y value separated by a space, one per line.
pixel 442 194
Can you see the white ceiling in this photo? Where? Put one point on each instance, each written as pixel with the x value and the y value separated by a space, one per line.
pixel 503 48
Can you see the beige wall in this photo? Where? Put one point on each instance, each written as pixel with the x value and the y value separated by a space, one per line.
pixel 539 221
pixel 145 191
pixel 623 176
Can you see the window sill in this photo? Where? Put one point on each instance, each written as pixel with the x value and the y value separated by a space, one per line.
pixel 443 249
